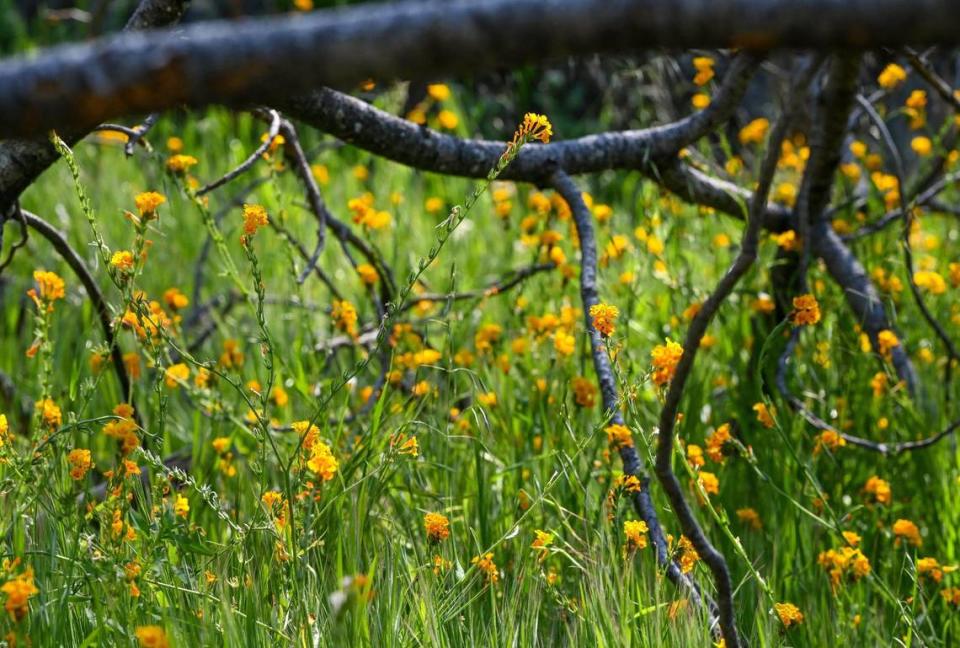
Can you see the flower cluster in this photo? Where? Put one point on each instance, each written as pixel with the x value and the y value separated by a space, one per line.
pixel 665 358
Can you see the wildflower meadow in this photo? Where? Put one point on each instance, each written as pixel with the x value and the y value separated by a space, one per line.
pixel 480 323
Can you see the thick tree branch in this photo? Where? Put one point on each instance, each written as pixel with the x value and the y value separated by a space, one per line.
pixel 23 160
pixel 632 463
pixel 862 297
pixel 381 133
pixel 238 62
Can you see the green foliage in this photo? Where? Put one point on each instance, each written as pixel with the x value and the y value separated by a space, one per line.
pixel 347 561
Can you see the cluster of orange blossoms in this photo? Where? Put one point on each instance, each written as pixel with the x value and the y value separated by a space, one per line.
pixel 19 588
pixel 806 310
pixel 604 316
pixel 254 217
pixel 665 358
pixel 437 526
pixel 320 457
pixel 123 429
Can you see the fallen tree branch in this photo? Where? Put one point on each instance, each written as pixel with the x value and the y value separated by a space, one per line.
pixel 72 259
pixel 302 169
pixel 907 216
pixel 861 295
pixel 248 163
pixel 745 258
pixel 233 62
pixel 23 160
pixel 386 135
pixel 151 14
pixel 632 463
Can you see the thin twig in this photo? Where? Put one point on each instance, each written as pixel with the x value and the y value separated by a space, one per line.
pixel 17 213
pixel 247 164
pixel 907 215
pixel 301 167
pixel 139 133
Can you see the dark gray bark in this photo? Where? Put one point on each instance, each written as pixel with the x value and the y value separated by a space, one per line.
pixel 862 297
pixel 262 61
pixel 632 462
pixel 23 160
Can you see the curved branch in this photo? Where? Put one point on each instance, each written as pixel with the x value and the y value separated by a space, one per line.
pixel 247 164
pixel 907 216
pixel 632 463
pixel 314 197
pixel 861 296
pixel 23 160
pixel 383 134
pixel 60 244
pixel 668 415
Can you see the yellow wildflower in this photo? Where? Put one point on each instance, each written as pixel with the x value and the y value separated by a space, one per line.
pixel 619 436
pixel 487 567
pixel 879 489
pixel 180 164
pixel 254 217
pixel 80 462
pixel 322 462
pixel 886 341
pixel 147 203
pixel 922 146
pixel 437 527
pixel 906 530
pixel 181 506
pixel 176 374
pixel 806 310
pixel 152 636
pixel 604 316
pixel 665 358
pixel 541 542
pixel 122 261
pixel 18 590
pixel 789 614
pixel 438 91
pixel 635 532
pixel 755 131
pixel 750 517
pixel 892 76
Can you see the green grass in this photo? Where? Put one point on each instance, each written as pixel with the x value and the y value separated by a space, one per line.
pixel 535 460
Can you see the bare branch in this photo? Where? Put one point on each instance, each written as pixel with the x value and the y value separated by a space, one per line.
pixel 139 133
pixel 632 463
pixel 151 14
pixel 70 256
pixel 383 134
pixel 14 213
pixel 698 327
pixel 317 205
pixel 862 297
pixel 929 75
pixel 23 160
pixel 247 164
pixel 907 216
pixel 238 62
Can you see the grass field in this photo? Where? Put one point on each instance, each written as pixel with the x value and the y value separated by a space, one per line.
pixel 275 535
